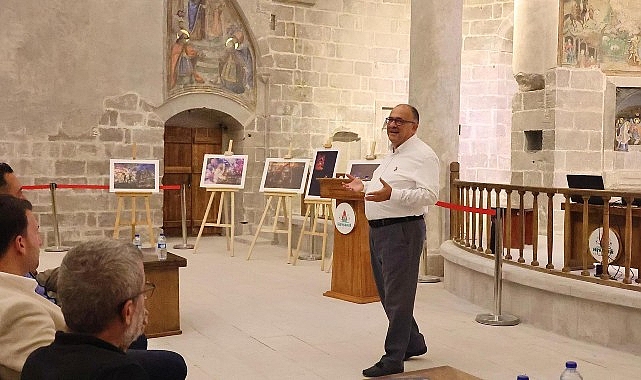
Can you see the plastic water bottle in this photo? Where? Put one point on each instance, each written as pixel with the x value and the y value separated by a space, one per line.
pixel 137 241
pixel 570 372
pixel 522 377
pixel 161 247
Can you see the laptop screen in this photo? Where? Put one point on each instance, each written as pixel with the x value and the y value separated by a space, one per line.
pixel 584 181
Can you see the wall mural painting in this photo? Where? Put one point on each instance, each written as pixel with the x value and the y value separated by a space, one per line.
pixel 601 33
pixel 628 118
pixel 209 50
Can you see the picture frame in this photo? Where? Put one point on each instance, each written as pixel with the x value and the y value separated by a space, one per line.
pixel 323 166
pixel 363 169
pixel 224 171
pixel 284 175
pixel 134 176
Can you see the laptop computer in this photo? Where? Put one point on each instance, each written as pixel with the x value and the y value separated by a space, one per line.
pixel 584 181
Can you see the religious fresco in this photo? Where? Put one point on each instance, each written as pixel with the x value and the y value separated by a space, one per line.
pixel 628 118
pixel 209 50
pixel 601 33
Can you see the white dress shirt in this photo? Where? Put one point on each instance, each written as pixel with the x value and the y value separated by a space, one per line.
pixel 412 170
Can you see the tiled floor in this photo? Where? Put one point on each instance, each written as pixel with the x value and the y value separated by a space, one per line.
pixel 266 319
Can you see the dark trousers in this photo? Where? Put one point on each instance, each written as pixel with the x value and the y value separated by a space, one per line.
pixel 395 254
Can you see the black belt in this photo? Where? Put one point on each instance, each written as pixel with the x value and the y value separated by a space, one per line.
pixel 389 221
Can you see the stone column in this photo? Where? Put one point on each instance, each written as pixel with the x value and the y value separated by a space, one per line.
pixel 434 88
pixel 535 37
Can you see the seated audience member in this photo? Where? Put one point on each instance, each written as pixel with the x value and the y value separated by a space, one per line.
pixel 160 364
pixel 102 289
pixel 27 320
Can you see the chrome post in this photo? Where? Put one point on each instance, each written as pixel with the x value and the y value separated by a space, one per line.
pixel 183 217
pixel 56 231
pixel 496 318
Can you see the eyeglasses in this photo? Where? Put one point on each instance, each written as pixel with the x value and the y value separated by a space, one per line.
pixel 148 291
pixel 396 120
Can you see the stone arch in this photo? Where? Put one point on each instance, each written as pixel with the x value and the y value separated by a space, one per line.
pixel 214 101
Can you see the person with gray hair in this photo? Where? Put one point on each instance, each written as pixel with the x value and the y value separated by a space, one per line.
pixel 102 292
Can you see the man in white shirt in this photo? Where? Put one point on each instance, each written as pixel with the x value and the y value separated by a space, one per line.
pixel 396 199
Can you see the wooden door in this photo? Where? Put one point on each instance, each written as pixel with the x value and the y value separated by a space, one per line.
pixel 184 151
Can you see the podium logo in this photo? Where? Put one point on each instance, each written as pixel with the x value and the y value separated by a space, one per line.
pixel 345 218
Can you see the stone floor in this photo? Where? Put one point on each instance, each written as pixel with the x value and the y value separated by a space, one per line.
pixel 266 319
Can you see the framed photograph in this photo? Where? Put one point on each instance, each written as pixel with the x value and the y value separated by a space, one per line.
pixel 134 176
pixel 220 171
pixel 363 169
pixel 282 175
pixel 323 166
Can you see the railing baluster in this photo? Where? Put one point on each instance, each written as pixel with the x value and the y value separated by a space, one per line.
pixel 628 241
pixel 567 245
pixel 535 228
pixel 473 214
pixel 508 224
pixel 481 220
pixel 468 219
pixel 605 239
pixel 521 226
pixel 488 221
pixel 550 229
pixel 584 240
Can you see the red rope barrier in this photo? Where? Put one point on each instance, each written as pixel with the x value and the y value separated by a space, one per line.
pixel 35 187
pixel 453 206
pixel 87 187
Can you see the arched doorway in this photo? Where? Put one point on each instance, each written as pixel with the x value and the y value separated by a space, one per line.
pixel 188 136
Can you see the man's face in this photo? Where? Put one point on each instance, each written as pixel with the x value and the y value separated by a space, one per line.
pixel 13 187
pixel 32 242
pixel 398 132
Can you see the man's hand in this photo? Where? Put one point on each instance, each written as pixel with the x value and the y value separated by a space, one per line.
pixel 380 195
pixel 355 184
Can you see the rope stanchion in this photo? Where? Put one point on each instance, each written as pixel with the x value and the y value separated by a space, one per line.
pixel 496 318
pixel 183 219
pixel 56 231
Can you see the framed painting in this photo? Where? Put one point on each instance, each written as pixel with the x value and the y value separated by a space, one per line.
pixel 324 166
pixel 600 33
pixel 221 171
pixel 281 175
pixel 363 169
pixel 134 176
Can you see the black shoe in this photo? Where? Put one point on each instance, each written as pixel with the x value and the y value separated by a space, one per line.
pixel 381 369
pixel 420 352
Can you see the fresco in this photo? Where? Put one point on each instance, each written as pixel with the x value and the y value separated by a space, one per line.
pixel 209 50
pixel 601 33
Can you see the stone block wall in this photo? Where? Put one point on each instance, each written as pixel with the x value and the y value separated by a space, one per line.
pixel 487 87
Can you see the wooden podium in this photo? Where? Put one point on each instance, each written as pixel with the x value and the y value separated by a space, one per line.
pixel 352 277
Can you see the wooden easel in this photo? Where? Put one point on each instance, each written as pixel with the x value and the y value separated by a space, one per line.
pixel 133 221
pixel 317 207
pixel 230 225
pixel 284 204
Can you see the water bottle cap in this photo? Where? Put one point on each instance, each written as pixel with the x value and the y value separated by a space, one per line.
pixel 137 235
pixel 522 377
pixel 570 364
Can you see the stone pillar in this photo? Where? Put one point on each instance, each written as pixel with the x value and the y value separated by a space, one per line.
pixel 434 88
pixel 536 24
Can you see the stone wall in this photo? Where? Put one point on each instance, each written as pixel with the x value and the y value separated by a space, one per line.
pixel 79 92
pixel 487 87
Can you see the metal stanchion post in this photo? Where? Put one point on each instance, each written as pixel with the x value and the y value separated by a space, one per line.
pixel 426 278
pixel 56 231
pixel 183 215
pixel 496 318
pixel 311 256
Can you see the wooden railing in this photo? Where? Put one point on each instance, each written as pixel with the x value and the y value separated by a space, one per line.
pixel 571 223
